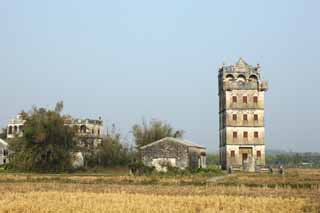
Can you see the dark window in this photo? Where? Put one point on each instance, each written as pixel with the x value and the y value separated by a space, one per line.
pixel 245 99
pixel 258 153
pixel 234 117
pixel 98 131
pixel 234 99
pixel 255 99
pixel 5 152
pixel 245 134
pixel 233 154
pixel 255 117
pixel 10 130
pixel 235 134
pixel 93 131
pixel 245 117
pixel 256 134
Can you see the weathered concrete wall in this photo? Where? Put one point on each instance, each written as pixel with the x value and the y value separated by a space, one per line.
pixel 240 94
pixel 237 160
pixel 166 149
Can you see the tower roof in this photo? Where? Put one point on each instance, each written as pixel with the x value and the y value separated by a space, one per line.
pixel 241 62
pixel 242 65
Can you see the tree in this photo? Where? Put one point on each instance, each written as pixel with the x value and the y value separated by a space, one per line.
pixel 111 152
pixel 46 144
pixel 3 133
pixel 153 131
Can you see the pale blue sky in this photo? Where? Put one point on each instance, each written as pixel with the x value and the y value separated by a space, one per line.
pixel 125 60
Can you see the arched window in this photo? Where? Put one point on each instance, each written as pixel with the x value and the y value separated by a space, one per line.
pixel 241 78
pixel 15 129
pixel 229 77
pixel 83 129
pixel 10 130
pixel 253 78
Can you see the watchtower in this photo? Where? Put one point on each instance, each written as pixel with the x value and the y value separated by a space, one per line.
pixel 241 115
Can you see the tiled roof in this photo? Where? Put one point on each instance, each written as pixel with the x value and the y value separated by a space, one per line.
pixel 184 142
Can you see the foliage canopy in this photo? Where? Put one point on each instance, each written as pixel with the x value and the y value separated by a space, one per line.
pixel 47 143
pixel 147 133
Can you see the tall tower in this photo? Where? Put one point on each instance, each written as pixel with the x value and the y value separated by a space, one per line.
pixel 241 115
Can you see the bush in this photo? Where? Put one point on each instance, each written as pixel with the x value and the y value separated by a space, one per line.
pixel 210 171
pixel 138 168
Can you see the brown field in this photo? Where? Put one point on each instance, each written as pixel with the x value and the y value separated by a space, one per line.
pixel 297 191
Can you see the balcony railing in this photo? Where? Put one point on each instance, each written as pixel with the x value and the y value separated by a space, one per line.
pixel 239 85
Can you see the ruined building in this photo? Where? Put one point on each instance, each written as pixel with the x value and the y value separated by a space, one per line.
pixel 15 127
pixel 241 114
pixel 89 132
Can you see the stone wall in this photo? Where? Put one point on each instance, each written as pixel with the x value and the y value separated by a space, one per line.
pixel 166 149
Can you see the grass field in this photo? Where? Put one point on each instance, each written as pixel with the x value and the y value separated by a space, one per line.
pixel 297 191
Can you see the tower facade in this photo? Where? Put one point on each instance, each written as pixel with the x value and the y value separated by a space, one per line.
pixel 241 115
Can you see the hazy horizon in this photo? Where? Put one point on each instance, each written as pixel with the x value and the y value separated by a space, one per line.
pixel 129 60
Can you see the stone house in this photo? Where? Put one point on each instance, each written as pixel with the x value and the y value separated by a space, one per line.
pixel 175 152
pixel 4 152
pixel 241 103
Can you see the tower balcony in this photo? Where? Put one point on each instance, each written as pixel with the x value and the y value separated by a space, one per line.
pixel 240 85
pixel 263 85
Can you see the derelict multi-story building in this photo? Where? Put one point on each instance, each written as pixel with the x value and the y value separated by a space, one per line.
pixel 241 112
pixel 89 132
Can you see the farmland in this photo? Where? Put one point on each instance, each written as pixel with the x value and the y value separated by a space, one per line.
pixel 297 191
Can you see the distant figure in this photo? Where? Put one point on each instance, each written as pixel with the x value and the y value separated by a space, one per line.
pixel 281 170
pixel 230 170
pixel 270 169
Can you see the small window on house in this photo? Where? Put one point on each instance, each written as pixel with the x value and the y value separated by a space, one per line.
pixel 258 154
pixel 4 161
pixel 245 134
pixel 5 152
pixel 233 154
pixel 235 134
pixel 255 117
pixel 93 131
pixel 245 99
pixel 245 117
pixel 234 99
pixel 255 99
pixel 234 117
pixel 256 134
pixel 98 131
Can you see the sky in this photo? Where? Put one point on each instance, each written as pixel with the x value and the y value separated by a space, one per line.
pixel 131 60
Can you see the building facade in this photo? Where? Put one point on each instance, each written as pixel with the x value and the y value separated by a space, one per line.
pixel 241 115
pixel 89 132
pixel 176 152
pixel 15 127
pixel 4 152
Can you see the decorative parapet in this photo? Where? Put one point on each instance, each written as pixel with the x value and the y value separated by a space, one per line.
pixel 239 85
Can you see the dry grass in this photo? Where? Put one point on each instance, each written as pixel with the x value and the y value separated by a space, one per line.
pixel 124 202
pixel 63 193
